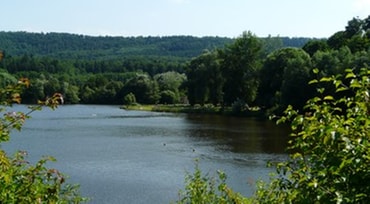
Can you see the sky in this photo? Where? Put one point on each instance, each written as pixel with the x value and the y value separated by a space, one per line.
pixel 224 18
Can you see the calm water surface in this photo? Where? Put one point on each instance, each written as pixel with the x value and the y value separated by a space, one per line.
pixel 120 156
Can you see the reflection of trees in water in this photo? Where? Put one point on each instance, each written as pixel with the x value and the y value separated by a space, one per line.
pixel 239 135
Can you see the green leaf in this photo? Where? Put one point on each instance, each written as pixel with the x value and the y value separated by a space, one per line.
pixel 326 79
pixel 315 71
pixel 342 89
pixel 321 90
pixel 313 81
pixel 297 155
pixel 355 84
pixel 350 75
pixel 337 83
pixel 329 98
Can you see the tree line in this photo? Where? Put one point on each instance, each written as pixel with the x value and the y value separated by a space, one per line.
pixel 248 71
pixel 72 46
pixel 57 63
pixel 243 74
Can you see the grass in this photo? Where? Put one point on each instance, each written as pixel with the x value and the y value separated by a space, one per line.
pixel 138 107
pixel 184 108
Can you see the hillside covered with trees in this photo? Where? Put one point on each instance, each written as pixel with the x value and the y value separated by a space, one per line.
pixel 104 70
pixel 73 46
pixel 240 73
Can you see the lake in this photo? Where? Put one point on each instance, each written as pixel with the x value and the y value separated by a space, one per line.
pixel 120 156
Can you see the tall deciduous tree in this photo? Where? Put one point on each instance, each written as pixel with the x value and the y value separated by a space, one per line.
pixel 312 46
pixel 6 78
pixel 205 80
pixel 169 84
pixel 354 27
pixel 145 89
pixel 332 62
pixel 284 79
pixel 240 65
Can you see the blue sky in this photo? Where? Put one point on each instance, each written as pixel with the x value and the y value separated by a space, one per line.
pixel 229 18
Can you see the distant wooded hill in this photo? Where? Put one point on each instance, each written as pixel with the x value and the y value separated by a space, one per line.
pixel 73 46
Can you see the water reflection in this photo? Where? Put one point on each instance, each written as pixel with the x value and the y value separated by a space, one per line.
pixel 239 135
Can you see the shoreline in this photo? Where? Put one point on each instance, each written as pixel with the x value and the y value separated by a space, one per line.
pixel 196 109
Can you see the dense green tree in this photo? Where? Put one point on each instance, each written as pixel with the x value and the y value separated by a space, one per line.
pixel 168 97
pixel 355 36
pixel 170 80
pixel 70 93
pixel 215 79
pixel 87 95
pixel 337 40
pixel 366 24
pixel 34 92
pixel 144 88
pixel 51 86
pixel 354 27
pixel 109 93
pixel 295 89
pixel 205 80
pixel 284 79
pixel 240 64
pixel 197 83
pixel 333 62
pixel 358 43
pixel 6 78
pixel 169 84
pixel 360 60
pixel 312 46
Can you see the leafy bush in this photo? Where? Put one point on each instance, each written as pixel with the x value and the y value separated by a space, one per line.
pixel 168 97
pixel 129 99
pixel 330 147
pixel 203 189
pixel 20 181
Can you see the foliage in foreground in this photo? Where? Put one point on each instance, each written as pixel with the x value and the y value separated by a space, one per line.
pixel 20 181
pixel 330 159
pixel 203 189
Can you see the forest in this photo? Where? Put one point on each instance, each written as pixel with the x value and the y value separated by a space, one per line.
pixel 247 71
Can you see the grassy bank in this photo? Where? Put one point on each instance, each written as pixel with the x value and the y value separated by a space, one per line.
pixel 179 108
pixel 206 109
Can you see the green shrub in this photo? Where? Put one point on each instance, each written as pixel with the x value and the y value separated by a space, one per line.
pixel 129 99
pixel 330 147
pixel 203 189
pixel 168 97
